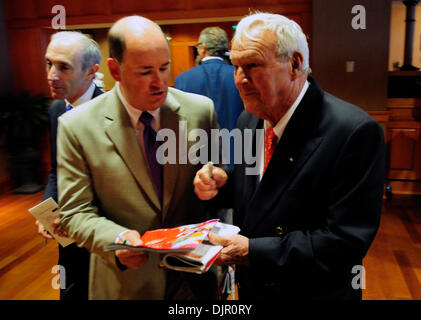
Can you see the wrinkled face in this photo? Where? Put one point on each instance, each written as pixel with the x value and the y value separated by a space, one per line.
pixel 262 78
pixel 144 71
pixel 64 71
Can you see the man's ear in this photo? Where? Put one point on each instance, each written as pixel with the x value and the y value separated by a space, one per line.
pixel 296 63
pixel 114 68
pixel 92 70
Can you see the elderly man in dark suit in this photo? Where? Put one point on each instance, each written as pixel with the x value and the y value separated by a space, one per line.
pixel 310 214
pixel 72 61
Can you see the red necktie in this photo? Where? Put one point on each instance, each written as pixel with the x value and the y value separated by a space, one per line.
pixel 270 145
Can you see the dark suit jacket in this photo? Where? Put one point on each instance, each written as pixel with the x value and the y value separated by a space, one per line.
pixel 215 79
pixel 56 109
pixel 317 208
pixel 75 260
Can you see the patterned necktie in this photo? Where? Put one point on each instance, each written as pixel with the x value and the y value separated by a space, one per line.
pixel 69 107
pixel 270 145
pixel 151 146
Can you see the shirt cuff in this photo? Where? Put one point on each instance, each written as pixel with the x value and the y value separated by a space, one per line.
pixel 119 237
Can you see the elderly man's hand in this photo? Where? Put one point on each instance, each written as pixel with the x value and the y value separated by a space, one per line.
pixel 235 251
pixel 206 184
pixel 132 259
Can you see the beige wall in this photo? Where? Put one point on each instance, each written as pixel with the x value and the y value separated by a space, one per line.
pixel 397 35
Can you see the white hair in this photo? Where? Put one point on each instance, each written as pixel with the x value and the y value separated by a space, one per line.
pixel 290 36
pixel 90 50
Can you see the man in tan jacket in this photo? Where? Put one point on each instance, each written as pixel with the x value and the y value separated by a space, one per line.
pixel 110 188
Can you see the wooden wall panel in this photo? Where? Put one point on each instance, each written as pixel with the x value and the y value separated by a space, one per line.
pixel 210 4
pixel 28 66
pixel 31 13
pixel 334 42
pixel 404 150
pixel 27 59
pixel 75 8
pixel 183 55
pixel 402 139
pixel 136 6
pixel 23 9
pixel 404 145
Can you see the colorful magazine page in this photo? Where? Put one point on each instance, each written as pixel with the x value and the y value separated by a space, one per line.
pixel 184 237
pixel 179 239
pixel 201 258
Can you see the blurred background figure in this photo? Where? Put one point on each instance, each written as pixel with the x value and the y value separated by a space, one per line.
pixel 214 78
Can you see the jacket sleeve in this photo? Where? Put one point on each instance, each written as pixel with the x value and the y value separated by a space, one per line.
pixel 51 188
pixel 81 217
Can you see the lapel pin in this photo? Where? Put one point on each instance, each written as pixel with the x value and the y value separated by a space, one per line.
pixel 291 159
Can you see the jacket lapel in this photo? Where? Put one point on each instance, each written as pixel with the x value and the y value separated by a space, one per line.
pixel 62 108
pixel 295 147
pixel 97 92
pixel 121 133
pixel 251 181
pixel 170 119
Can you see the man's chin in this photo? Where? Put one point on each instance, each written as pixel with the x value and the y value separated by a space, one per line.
pixel 251 108
pixel 159 102
pixel 58 95
pixel 153 107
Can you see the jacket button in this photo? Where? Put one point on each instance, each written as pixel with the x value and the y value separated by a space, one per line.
pixel 279 231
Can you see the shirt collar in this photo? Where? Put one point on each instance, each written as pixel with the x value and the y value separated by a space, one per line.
pixel 134 113
pixel 279 128
pixel 84 97
pixel 211 57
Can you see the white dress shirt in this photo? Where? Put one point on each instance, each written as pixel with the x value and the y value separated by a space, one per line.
pixel 83 98
pixel 138 126
pixel 211 57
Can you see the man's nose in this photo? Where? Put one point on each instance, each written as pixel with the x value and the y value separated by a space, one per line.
pixel 53 73
pixel 157 79
pixel 241 78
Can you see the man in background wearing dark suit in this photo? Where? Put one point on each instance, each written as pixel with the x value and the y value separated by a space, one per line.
pixel 214 78
pixel 72 60
pixel 311 209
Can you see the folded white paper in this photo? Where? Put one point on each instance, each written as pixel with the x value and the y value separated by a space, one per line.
pixel 46 212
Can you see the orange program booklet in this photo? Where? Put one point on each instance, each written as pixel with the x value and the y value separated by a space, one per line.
pixel 187 247
pixel 200 259
pixel 179 239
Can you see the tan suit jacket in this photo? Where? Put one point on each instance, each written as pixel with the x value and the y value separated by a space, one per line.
pixel 105 187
